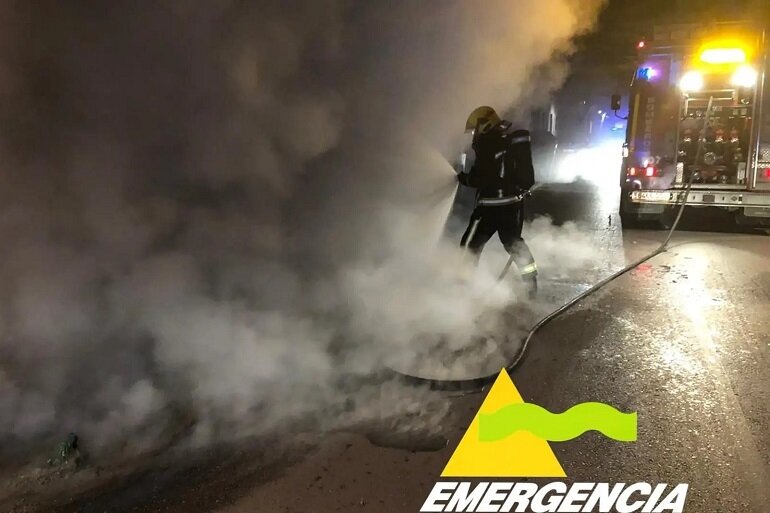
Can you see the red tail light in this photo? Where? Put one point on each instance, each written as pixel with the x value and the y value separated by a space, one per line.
pixel 767 173
pixel 648 171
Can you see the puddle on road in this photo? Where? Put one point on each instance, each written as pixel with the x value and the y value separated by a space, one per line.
pixel 412 441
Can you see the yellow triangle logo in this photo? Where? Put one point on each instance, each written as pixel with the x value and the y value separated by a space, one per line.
pixel 519 455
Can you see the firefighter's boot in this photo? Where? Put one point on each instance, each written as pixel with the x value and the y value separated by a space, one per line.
pixel 524 260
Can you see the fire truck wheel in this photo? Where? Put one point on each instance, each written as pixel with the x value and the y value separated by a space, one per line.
pixel 629 220
pixel 667 218
pixel 760 224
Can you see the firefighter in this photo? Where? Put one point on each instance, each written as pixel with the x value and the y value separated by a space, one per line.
pixel 502 175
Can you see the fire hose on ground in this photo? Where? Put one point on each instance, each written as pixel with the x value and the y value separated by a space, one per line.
pixel 479 383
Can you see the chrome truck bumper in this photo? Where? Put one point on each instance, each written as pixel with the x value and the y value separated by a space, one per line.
pixel 754 204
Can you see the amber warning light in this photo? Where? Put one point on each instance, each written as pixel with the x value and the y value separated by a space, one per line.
pixel 723 56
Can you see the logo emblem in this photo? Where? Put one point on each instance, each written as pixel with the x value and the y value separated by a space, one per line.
pixel 509 437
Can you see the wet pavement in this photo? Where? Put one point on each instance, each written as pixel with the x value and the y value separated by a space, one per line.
pixel 684 340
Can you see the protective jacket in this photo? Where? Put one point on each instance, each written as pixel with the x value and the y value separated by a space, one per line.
pixel 503 167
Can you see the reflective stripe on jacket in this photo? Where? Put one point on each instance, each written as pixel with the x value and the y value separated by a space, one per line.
pixel 496 202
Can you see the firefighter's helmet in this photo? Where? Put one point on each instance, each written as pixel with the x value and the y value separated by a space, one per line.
pixel 482 120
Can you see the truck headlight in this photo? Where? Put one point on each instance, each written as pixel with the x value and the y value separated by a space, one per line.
pixel 745 76
pixel 692 81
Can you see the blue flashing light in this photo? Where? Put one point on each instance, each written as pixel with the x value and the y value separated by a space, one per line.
pixel 646 73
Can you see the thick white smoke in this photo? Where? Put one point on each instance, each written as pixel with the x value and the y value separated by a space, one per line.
pixel 205 205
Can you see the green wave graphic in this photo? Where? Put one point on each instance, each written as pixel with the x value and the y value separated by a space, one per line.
pixel 557 427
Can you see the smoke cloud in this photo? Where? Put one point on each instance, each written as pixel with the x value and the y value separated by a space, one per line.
pixel 220 208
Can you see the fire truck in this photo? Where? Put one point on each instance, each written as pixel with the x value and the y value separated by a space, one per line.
pixel 699 124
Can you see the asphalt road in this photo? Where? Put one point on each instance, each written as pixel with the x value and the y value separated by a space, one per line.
pixel 683 340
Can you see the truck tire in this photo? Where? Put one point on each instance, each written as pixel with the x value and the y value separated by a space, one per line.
pixel 666 220
pixel 760 224
pixel 628 219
